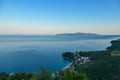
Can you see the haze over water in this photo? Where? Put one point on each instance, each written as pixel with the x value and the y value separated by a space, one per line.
pixel 20 53
pixel 27 55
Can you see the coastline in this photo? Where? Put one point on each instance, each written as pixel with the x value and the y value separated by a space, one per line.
pixel 67 66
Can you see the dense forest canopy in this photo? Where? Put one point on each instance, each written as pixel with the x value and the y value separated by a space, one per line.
pixel 115 45
pixel 102 65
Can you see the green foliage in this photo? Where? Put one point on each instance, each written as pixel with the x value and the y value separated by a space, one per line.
pixel 95 55
pixel 35 76
pixel 104 69
pixel 68 56
pixel 3 76
pixel 45 74
pixel 20 76
pixel 73 75
pixel 115 52
pixel 102 65
pixel 115 45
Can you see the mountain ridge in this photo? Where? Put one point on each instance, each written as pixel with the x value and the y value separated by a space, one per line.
pixel 78 33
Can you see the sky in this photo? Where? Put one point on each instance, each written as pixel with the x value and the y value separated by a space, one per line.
pixel 59 16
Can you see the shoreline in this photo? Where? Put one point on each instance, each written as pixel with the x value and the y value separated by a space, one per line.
pixel 67 66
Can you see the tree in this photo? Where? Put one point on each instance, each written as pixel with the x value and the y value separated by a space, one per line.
pixel 3 76
pixel 73 75
pixel 45 75
pixel 20 76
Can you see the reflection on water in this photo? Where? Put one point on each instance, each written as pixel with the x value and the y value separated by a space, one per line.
pixel 28 56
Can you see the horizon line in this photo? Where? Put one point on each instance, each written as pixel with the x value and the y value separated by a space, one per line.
pixel 56 33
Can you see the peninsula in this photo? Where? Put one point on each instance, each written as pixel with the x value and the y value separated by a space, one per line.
pixel 97 65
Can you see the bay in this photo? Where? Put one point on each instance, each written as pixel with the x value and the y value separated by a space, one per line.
pixel 21 54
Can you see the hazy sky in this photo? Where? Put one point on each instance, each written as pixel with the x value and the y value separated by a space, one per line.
pixel 59 16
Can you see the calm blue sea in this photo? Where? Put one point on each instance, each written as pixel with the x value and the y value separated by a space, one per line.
pixel 28 53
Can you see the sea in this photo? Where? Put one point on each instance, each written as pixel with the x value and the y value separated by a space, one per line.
pixel 27 53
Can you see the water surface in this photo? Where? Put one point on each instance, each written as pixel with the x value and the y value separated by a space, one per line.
pixel 28 54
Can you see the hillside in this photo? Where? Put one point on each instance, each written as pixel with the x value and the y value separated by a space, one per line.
pixel 115 45
pixel 82 34
pixel 102 65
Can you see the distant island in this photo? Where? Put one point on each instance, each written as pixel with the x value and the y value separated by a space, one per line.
pixel 78 33
pixel 83 36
